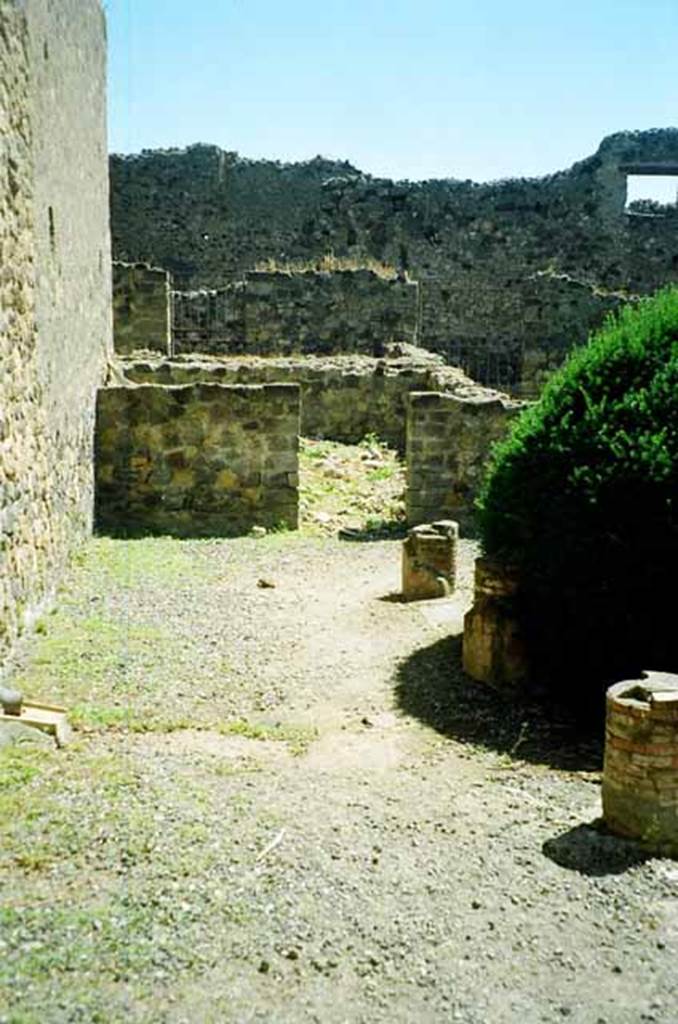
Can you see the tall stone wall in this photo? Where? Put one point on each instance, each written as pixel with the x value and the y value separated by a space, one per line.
pixel 310 312
pixel 511 273
pixel 55 339
pixel 197 460
pixel 449 437
pixel 141 308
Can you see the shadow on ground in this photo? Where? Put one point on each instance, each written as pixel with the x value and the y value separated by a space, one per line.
pixel 432 686
pixel 592 851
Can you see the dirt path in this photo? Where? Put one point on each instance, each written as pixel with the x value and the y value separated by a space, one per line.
pixel 324 821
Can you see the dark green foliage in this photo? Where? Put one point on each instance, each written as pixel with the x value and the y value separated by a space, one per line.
pixel 582 496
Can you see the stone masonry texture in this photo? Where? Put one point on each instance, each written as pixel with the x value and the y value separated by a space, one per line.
pixel 55 294
pixel 310 312
pixel 141 308
pixel 449 436
pixel 198 459
pixel 511 274
pixel 343 397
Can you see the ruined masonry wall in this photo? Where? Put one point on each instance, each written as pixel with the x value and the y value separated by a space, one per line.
pixel 449 437
pixel 54 291
pixel 210 216
pixel 141 308
pixel 270 313
pixel 342 398
pixel 197 460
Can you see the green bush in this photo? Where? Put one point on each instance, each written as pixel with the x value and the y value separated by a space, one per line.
pixel 582 496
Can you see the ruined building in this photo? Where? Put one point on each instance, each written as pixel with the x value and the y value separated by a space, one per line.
pixel 55 296
pixel 510 274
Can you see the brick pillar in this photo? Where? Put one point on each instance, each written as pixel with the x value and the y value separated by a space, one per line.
pixel 640 774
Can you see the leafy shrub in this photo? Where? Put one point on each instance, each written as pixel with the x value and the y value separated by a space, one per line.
pixel 582 497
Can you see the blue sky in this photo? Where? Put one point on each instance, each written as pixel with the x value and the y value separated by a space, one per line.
pixel 415 89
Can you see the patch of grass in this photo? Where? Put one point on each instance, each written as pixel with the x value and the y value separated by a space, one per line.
pixel 146 561
pixel 297 737
pixel 20 764
pixel 345 486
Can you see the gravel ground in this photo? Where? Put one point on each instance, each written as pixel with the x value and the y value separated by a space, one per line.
pixel 286 803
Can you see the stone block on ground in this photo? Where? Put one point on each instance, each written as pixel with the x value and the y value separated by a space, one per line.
pixel 429 560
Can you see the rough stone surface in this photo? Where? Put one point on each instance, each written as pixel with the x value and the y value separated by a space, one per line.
pixel 449 436
pixel 493 649
pixel 55 294
pixel 141 308
pixel 197 460
pixel 640 776
pixel 280 313
pixel 344 398
pixel 429 560
pixel 511 273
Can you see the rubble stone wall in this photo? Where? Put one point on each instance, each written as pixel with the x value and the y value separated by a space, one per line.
pixel 511 274
pixel 197 460
pixel 141 308
pixel 55 297
pixel 310 312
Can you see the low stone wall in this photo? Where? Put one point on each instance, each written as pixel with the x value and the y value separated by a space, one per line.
pixel 449 436
pixel 343 398
pixel 197 460
pixel 141 308
pixel 270 313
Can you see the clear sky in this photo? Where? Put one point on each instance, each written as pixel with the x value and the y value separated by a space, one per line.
pixel 415 89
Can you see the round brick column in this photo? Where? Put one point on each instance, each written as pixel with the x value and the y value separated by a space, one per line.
pixel 640 774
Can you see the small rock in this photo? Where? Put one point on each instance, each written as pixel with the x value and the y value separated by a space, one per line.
pixel 258 531
pixel 264 967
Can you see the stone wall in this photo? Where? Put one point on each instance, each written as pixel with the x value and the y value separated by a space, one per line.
pixel 449 437
pixel 343 398
pixel 141 308
pixel 511 273
pixel 55 294
pixel 310 312
pixel 444 421
pixel 198 459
